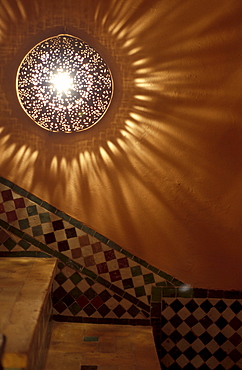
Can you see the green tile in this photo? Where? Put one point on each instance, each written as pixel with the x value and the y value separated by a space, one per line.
pixel 103 281
pixel 62 215
pixel 6 182
pixel 24 224
pixel 165 276
pixel 169 292
pixel 136 271
pixel 76 278
pixel 37 230
pixel 115 246
pixel 9 244
pixel 140 291
pixel 149 278
pixel 74 308
pixel 176 282
pixel 152 268
pixel 16 231
pixel 185 291
pixel 34 199
pixel 20 191
pixel 73 265
pixel 90 339
pixel 88 230
pixel 32 210
pixel 100 237
pixel 75 223
pixel 161 283
pixel 89 273
pixel 156 294
pixel 25 245
pixel 48 206
pixel 60 265
pixel 126 253
pixel 4 224
pixel 31 240
pixel 76 292
pixel 46 249
pixel 44 217
pixel 90 281
pixel 60 278
pixel 140 261
pixel 60 256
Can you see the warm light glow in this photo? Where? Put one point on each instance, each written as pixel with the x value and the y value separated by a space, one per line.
pixel 62 82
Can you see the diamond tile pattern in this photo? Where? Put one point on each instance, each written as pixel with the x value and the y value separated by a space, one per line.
pixel 76 295
pixel 76 244
pixel 201 333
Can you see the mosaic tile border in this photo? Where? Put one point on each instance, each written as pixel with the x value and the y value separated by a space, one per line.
pixel 170 280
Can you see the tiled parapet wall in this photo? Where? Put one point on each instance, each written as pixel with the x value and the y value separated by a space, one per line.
pixel 31 226
pixel 202 331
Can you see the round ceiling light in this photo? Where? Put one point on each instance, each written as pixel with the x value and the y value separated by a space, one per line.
pixel 63 84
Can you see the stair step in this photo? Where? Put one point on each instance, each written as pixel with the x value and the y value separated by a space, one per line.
pixel 25 310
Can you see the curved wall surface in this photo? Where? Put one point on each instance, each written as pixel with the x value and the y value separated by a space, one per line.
pixel 160 174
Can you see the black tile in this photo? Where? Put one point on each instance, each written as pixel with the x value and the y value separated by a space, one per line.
pixel 68 300
pixel 235 355
pixel 190 337
pixel 175 352
pixel 191 305
pixel 63 245
pixel 232 294
pixel 205 337
pixel 220 339
pixel 128 283
pixel 175 336
pixel 220 354
pixel 176 321
pixel 221 306
pixel 49 238
pixel 156 310
pixel 189 367
pixel 205 354
pixel 235 323
pixel 58 225
pixel 191 321
pixel 176 305
pixel 206 306
pixel 60 278
pixel 90 294
pixel 190 353
pixel 215 293
pixel 119 311
pixel 60 306
pixel 104 310
pixel 71 233
pixel 204 367
pixel 89 309
pixel 59 293
pixel 133 311
pixel 206 322
pixel 105 295
pixel 236 307
pixel 117 297
pixel 88 367
pixel 221 322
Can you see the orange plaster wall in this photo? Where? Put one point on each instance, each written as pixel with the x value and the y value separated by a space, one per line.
pixel 161 173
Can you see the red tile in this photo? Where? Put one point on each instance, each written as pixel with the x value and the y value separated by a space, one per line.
pixel 89 261
pixel 3 236
pixel 109 255
pixel 19 203
pixel 76 253
pixel 82 301
pixel 11 216
pixel 97 302
pixel 84 240
pixel 115 275
pixel 123 262
pixel 96 247
pixel 102 268
pixel 2 210
pixel 7 195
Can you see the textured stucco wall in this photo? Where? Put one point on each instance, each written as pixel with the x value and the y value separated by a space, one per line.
pixel 161 173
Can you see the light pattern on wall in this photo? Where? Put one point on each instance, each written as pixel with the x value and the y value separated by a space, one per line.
pixel 63 84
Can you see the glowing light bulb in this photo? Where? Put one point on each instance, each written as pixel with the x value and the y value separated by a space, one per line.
pixel 62 82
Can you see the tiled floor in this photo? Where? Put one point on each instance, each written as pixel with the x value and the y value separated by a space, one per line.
pixel 76 346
